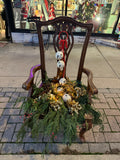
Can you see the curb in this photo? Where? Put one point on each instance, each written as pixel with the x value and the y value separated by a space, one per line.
pixel 110 43
pixel 58 157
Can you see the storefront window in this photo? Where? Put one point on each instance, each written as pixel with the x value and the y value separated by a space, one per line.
pixel 23 9
pixel 42 9
pixel 102 13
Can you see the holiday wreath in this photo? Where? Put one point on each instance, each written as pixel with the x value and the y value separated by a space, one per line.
pixel 57 106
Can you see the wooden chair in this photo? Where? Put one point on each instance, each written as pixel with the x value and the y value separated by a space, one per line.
pixel 63 27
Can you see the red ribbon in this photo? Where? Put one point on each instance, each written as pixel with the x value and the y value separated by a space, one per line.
pixel 63 42
pixel 63 45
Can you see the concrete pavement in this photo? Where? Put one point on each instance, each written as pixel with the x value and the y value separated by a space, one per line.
pixel 15 63
pixel 17 59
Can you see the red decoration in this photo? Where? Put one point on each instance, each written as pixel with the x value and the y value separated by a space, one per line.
pixel 46 4
pixel 102 5
pixel 74 14
pixel 63 45
pixel 63 42
pixel 51 12
pixel 24 12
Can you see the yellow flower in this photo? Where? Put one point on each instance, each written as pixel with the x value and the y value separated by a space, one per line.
pixel 52 97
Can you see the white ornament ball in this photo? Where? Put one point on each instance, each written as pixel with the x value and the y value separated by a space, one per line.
pixel 66 98
pixel 62 81
pixel 59 55
pixel 60 64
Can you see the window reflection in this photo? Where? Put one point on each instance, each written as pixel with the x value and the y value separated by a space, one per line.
pixel 102 13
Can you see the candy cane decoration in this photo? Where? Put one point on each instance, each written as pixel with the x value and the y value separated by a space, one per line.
pixel 96 10
pixel 99 3
pixel 83 9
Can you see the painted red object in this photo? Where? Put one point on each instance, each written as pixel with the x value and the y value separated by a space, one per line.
pixel 46 4
pixel 52 12
pixel 119 26
pixel 63 45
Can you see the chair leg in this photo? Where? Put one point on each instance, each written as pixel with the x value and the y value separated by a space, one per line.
pixel 30 92
pixel 90 99
pixel 85 127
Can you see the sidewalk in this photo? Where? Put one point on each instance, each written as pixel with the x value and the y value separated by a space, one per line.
pixel 15 62
pixel 17 59
pixel 107 141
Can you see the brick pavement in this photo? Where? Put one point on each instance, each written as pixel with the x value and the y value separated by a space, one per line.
pixel 97 141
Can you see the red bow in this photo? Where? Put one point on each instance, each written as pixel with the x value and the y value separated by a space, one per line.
pixel 63 44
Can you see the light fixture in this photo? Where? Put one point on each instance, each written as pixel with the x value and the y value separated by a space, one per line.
pixel 98 18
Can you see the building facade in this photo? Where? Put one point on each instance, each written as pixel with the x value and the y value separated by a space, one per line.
pixel 104 14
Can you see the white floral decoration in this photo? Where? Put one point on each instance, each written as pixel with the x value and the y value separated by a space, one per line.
pixel 60 65
pixel 66 98
pixel 62 81
pixel 59 55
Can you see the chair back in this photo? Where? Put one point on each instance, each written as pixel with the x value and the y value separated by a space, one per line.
pixel 63 40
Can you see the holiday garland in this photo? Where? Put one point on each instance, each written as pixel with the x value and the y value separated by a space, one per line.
pixel 56 108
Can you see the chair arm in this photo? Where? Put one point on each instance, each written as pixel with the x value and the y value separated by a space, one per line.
pixel 29 82
pixel 91 87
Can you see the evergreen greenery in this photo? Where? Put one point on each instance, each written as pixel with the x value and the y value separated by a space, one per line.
pixel 89 11
pixel 47 113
